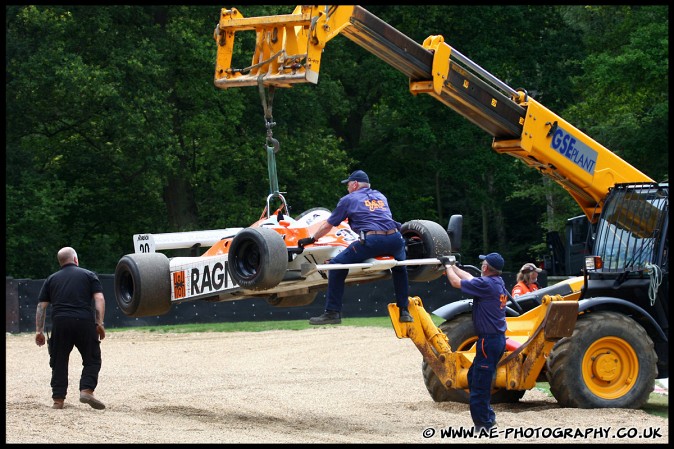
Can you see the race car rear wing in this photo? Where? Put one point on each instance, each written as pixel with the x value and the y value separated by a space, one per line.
pixel 150 243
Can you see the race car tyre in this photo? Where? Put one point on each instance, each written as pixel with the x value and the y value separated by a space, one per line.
pixel 292 301
pixel 608 361
pixel 258 258
pixel 425 239
pixel 143 284
pixel 461 336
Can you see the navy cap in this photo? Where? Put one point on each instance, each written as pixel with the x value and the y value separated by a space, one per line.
pixel 494 260
pixel 358 175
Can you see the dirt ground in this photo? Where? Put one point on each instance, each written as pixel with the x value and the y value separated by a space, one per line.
pixel 335 384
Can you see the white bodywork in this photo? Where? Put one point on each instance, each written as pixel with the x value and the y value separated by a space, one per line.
pixel 209 276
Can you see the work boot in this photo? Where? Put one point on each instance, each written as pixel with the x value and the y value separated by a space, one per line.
pixel 87 397
pixel 58 403
pixel 405 316
pixel 328 317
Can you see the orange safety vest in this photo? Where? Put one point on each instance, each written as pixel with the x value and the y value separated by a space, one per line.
pixel 522 288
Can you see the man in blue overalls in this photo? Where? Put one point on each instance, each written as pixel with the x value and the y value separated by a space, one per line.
pixel 369 216
pixel 489 301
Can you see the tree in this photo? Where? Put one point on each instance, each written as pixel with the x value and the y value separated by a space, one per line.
pixel 622 90
pixel 114 126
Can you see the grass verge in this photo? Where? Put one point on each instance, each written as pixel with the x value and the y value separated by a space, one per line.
pixel 259 326
pixel 657 405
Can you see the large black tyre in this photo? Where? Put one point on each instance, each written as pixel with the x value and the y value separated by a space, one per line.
pixel 292 301
pixel 608 362
pixel 424 239
pixel 461 336
pixel 143 284
pixel 258 258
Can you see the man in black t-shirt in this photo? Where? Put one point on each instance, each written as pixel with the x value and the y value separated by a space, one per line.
pixel 75 323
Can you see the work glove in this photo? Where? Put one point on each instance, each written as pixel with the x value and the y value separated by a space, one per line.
pixel 306 241
pixel 445 260
pixel 100 330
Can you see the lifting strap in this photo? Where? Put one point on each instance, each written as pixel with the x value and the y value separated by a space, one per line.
pixel 272 145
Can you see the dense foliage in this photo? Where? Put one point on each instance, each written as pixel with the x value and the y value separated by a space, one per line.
pixel 114 126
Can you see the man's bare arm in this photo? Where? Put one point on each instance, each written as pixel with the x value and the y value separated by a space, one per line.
pixel 323 229
pixel 99 302
pixel 463 274
pixel 40 316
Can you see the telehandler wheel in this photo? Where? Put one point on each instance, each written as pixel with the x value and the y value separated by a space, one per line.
pixel 258 258
pixel 608 362
pixel 461 335
pixel 143 284
pixel 425 239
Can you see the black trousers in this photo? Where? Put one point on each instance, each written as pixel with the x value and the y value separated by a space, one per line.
pixel 81 334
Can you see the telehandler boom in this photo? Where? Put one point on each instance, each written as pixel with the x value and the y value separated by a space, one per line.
pixel 600 339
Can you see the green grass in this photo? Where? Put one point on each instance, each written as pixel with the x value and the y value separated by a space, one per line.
pixel 657 405
pixel 259 326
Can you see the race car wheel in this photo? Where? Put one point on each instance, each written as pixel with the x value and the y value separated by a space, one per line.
pixel 258 258
pixel 609 361
pixel 461 336
pixel 143 284
pixel 425 239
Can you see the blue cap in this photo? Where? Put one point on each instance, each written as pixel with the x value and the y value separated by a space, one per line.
pixel 358 175
pixel 494 260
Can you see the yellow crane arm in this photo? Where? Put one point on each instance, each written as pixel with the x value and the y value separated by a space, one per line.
pixel 288 50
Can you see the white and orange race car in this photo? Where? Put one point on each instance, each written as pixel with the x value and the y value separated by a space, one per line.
pixel 262 261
